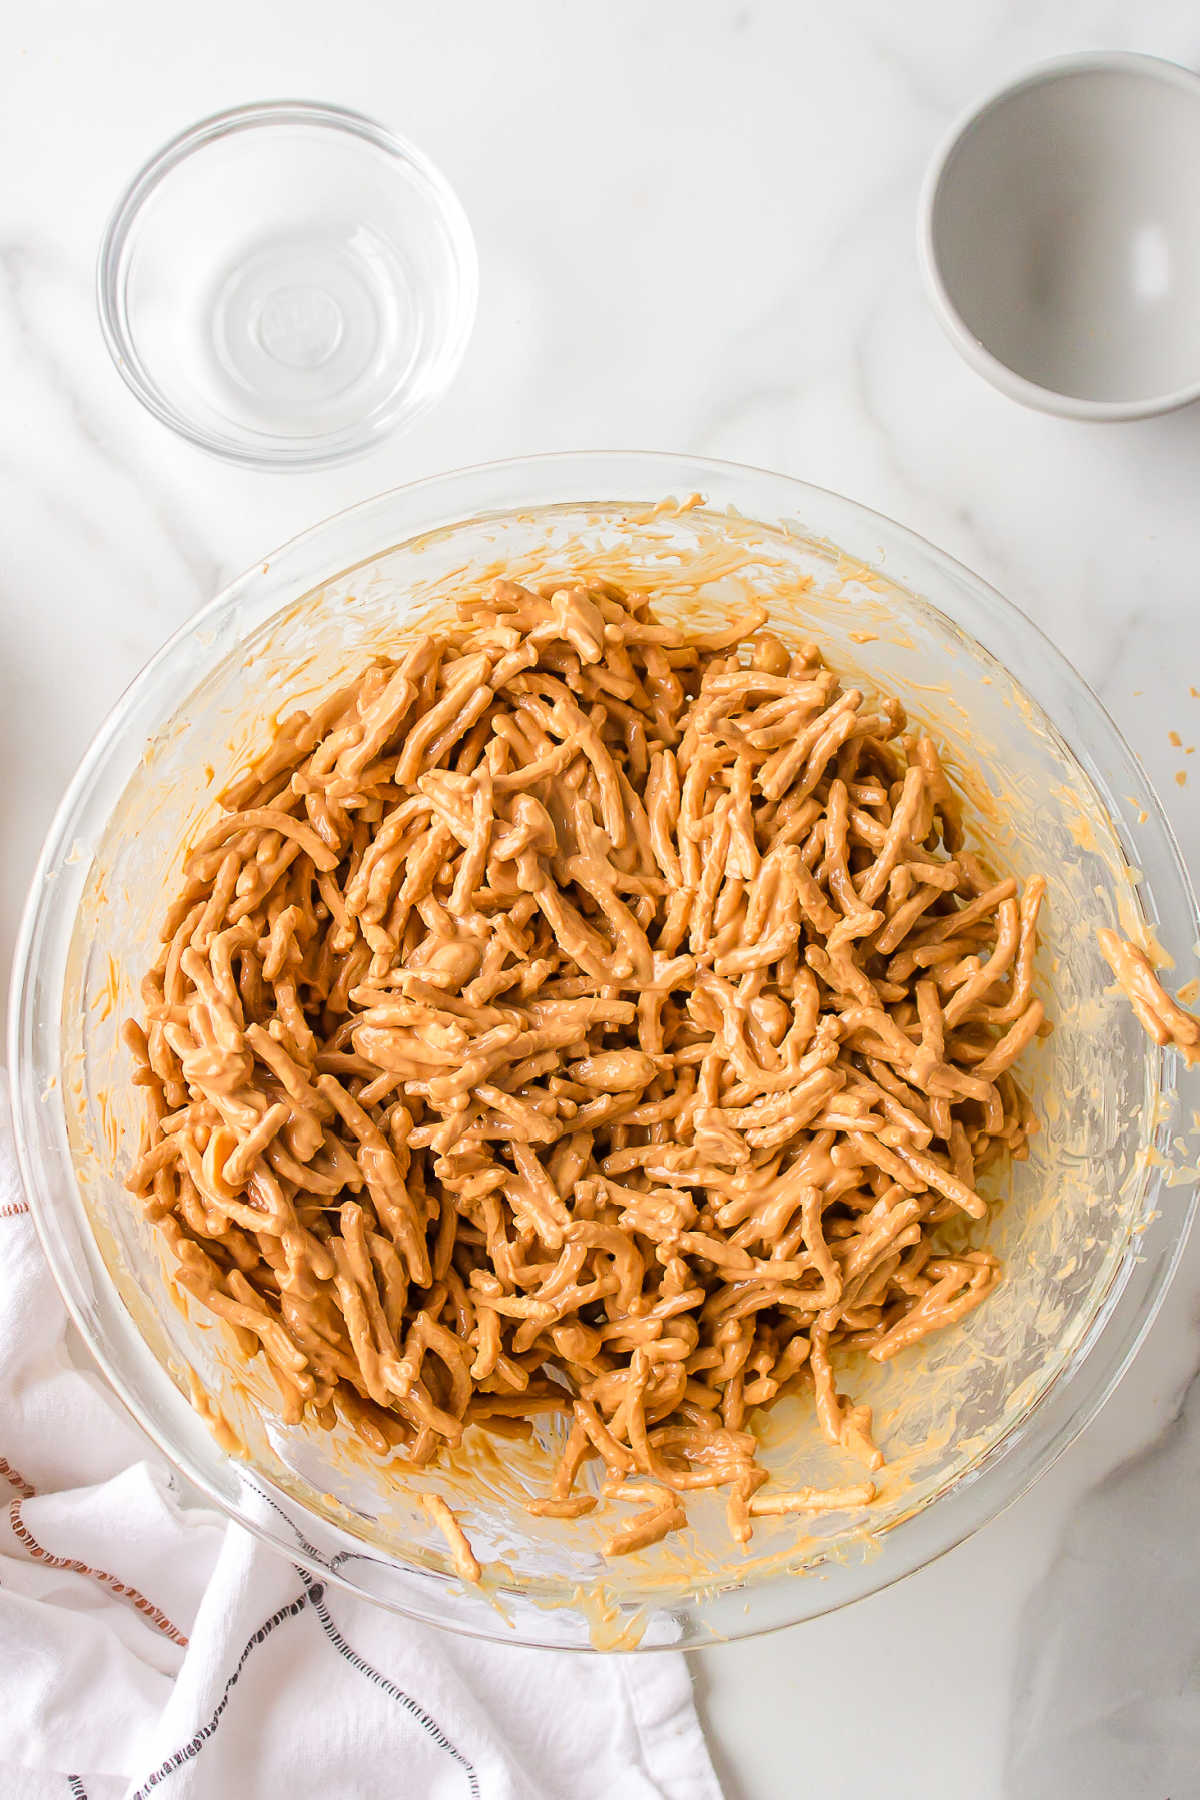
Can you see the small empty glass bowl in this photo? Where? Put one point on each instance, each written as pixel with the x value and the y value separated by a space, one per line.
pixel 285 283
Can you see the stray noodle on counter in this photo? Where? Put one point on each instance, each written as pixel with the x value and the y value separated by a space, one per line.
pixel 576 1017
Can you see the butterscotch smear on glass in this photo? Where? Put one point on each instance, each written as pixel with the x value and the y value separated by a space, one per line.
pixel 573 1017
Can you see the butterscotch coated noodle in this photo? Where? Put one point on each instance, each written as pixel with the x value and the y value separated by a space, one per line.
pixel 447 1522
pixel 1161 1017
pixel 571 1017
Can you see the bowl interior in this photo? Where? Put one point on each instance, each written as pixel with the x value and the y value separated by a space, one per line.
pixel 1064 1219
pixel 1066 229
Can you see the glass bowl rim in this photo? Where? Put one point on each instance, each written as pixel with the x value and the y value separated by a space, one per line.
pixel 348 442
pixel 1034 1441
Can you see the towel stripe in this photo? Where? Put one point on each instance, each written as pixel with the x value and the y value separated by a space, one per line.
pixel 316 1595
pixel 195 1744
pixel 147 1608
pixel 14 1480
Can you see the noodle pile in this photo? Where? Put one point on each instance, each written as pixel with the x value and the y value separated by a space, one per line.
pixel 571 1016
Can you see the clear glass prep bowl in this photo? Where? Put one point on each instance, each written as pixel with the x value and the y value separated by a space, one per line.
pixel 285 283
pixel 1089 1228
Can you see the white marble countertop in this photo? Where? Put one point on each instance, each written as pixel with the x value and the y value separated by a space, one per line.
pixel 695 222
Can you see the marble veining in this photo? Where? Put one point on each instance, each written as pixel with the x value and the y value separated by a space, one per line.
pixel 1105 1698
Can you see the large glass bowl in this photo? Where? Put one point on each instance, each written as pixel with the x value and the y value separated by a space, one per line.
pixel 1089 1228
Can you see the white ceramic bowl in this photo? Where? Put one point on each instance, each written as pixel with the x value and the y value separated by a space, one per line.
pixel 1060 237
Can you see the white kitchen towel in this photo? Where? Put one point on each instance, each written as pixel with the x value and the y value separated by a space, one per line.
pixel 151 1650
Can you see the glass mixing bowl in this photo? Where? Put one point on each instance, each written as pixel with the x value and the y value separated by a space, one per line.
pixel 1089 1228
